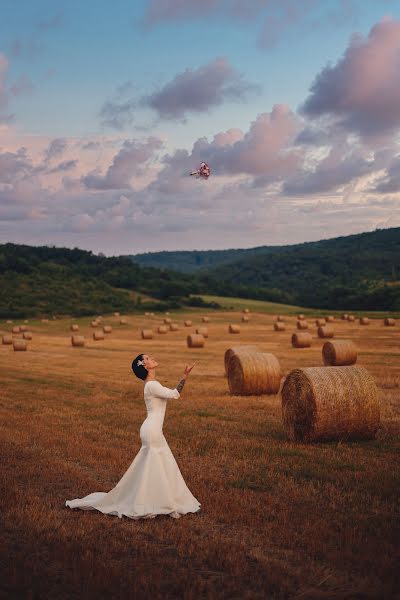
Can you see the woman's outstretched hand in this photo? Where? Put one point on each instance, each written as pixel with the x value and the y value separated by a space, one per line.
pixel 188 369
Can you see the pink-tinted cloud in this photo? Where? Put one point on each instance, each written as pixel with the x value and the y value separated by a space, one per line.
pixel 362 90
pixel 56 148
pixel 390 182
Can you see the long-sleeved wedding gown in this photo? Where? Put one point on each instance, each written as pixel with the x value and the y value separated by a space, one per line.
pixel 153 484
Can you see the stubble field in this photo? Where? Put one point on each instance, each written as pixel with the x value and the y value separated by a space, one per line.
pixel 278 519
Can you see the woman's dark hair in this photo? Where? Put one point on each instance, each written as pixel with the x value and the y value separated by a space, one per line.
pixel 138 367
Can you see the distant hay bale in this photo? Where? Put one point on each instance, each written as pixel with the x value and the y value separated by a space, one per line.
pixel 123 322
pixel 107 329
pixel 74 327
pixel 246 311
pixel 167 313
pixel 326 331
pixel 174 327
pixel 7 339
pixel 45 320
pixel 9 321
pixel 94 323
pixel 345 316
pixel 253 373
pixel 205 319
pixel 167 321
pixel 233 328
pixel 27 335
pixel 146 314
pixel 279 326
pixel 188 323
pixel 300 317
pixel 280 318
pixel 151 314
pixel 330 319
pixel 351 318
pixel 301 340
pixel 98 335
pixel 116 314
pixel 339 353
pixel 202 331
pixel 20 345
pixel 162 329
pixel 147 334
pixel 23 328
pixel 302 325
pixel 16 329
pixel 245 319
pixel 237 350
pixel 389 322
pixel 320 322
pixel 364 321
pixel 330 403
pixel 26 321
pixel 195 340
pixel 77 340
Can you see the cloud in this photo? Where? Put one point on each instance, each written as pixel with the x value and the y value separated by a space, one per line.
pixel 117 114
pixel 362 90
pixel 55 149
pixel 391 181
pixel 23 85
pixel 66 165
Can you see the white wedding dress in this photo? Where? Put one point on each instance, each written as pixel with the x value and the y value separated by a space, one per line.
pixel 153 484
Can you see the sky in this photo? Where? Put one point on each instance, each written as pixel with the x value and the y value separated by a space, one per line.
pixel 106 108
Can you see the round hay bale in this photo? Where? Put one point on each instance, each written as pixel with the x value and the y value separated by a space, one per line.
pixel 174 327
pixel 280 318
pixel 202 331
pixel 23 328
pixel 107 329
pixel 205 319
pixel 345 316
pixel 233 328
pixel 167 321
pixel 301 340
pixel 151 314
pixel 246 311
pixel 364 321
pixel 116 314
pixel 20 345
pixel 339 353
pixel 253 373
pixel 94 324
pixel 7 340
pixel 167 313
pixel 98 335
pixel 147 334
pixel 302 325
pixel 279 326
pixel 146 314
pixel 389 322
pixel 320 322
pixel 330 319
pixel 188 323
pixel 326 331
pixel 162 329
pixel 123 322
pixel 16 329
pixel 26 321
pixel 77 340
pixel 237 350
pixel 300 317
pixel 351 318
pixel 245 319
pixel 74 327
pixel 27 335
pixel 45 320
pixel 330 403
pixel 195 340
pixel 9 321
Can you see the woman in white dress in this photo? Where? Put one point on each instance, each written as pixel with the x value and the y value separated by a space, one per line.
pixel 153 484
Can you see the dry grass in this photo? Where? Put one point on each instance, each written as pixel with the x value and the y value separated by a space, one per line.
pixel 278 519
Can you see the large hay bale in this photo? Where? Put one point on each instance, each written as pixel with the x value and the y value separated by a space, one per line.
pixel 300 317
pixel 94 323
pixel 195 340
pixel 302 325
pixel 205 319
pixel 7 339
pixel 123 322
pixel 280 318
pixel 321 321
pixel 20 345
pixel 147 334
pixel 77 340
pixel 246 311
pixel 202 331
pixel 237 350
pixel 364 321
pixel 174 327
pixel 16 329
pixel 301 340
pixel 389 322
pixel 326 331
pixel 162 329
pixel 188 323
pixel 107 329
pixel 330 403
pixel 345 316
pixel 27 335
pixel 74 327
pixel 116 314
pixel 330 319
pixel 233 328
pixel 98 335
pixel 253 373
pixel 23 328
pixel 167 321
pixel 279 326
pixel 245 319
pixel 339 353
pixel 351 318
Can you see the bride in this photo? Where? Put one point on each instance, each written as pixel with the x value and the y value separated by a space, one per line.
pixel 153 484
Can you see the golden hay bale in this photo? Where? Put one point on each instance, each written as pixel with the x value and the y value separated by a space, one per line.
pixel 26 321
pixel 77 340
pixel 245 319
pixel 330 319
pixel 330 403
pixel 279 326
pixel 351 318
pixel 253 373
pixel 162 329
pixel 123 322
pixel 45 320
pixel 364 321
pixel 147 334
pixel 27 335
pixel 188 323
pixel 9 321
pixel 23 328
pixel 195 340
pixel 345 316
pixel 205 319
pixel 389 322
pixel 98 335
pixel 146 314
pixel 237 350
pixel 174 327
pixel 167 321
pixel 151 314
pixel 300 317
pixel 326 331
pixel 280 318
pixel 339 353
pixel 301 340
pixel 20 345
pixel 167 313
pixel 202 331
pixel 7 340
pixel 74 327
pixel 107 329
pixel 302 325
pixel 16 329
pixel 320 322
pixel 94 323
pixel 246 310
pixel 116 314
pixel 233 328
